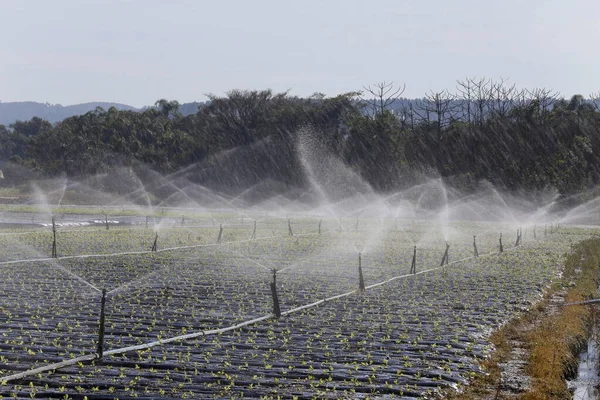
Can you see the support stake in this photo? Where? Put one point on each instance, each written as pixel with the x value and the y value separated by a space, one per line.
pixel 361 280
pixel 501 248
pixel 155 244
pixel 276 308
pixel 475 252
pixel 220 234
pixel 253 232
pixel 445 258
pixel 320 226
pixel 413 266
pixel 100 349
pixel 106 221
pixel 290 227
pixel 54 237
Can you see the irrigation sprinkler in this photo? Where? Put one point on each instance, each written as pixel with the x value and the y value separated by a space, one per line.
pixel 518 241
pixel 146 222
pixel 534 232
pixel 413 265
pixel 320 221
pixel 53 236
pixel 254 231
pixel 475 252
pixel 182 220
pixel 445 257
pixel 361 280
pixel 290 227
pixel 276 308
pixel 220 234
pixel 242 217
pixel 100 349
pixel 106 221
pixel 501 247
pixel 396 224
pixel 545 229
pixel 155 244
pixel 356 225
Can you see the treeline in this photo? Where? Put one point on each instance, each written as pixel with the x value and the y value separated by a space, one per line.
pixel 517 139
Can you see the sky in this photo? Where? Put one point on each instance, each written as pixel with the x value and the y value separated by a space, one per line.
pixel 138 51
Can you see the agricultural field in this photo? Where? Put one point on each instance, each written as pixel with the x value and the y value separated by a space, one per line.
pixel 195 318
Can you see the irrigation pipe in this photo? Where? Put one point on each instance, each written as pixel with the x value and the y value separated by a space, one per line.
pixel 188 336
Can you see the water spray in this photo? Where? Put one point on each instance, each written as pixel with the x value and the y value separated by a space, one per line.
pixel 361 280
pixel 100 349
pixel 54 236
pixel 445 257
pixel 220 234
pixel 413 265
pixel 276 308
pixel 475 252
pixel 155 244
pixel 501 247
pixel 290 228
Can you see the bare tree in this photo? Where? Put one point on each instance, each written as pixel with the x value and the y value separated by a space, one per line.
pixel 595 100
pixel 437 107
pixel 383 95
pixel 541 102
pixel 502 97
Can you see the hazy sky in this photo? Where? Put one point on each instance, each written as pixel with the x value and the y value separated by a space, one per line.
pixel 136 52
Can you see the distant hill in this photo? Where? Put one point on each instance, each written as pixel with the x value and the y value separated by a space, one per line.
pixel 25 110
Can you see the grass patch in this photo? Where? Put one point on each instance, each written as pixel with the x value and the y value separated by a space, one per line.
pixel 553 334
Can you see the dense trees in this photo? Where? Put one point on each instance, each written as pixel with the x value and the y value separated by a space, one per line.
pixel 519 139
